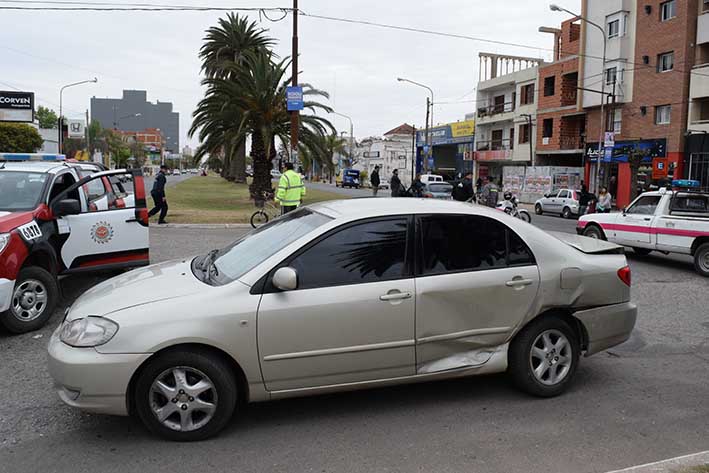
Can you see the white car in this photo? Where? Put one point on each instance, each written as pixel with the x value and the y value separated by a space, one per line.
pixel 665 221
pixel 564 202
pixel 342 295
pixel 426 178
pixel 175 172
pixel 383 184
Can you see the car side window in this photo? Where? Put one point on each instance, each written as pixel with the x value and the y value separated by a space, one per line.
pixel 61 183
pixel 95 189
pixel 563 194
pixel 366 252
pixel 453 243
pixel 645 205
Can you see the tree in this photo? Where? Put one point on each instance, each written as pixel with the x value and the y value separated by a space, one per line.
pixel 19 138
pixel 224 49
pixel 332 144
pixel 47 117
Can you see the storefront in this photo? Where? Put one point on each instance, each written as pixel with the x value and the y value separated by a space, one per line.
pixel 696 163
pixel 654 169
pixel 451 151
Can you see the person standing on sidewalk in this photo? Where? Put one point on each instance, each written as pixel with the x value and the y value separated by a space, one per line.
pixel 158 195
pixel 490 194
pixel 291 190
pixel 374 180
pixel 395 184
pixel 604 201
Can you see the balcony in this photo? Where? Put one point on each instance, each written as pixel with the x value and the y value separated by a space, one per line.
pixel 571 143
pixel 496 112
pixel 699 82
pixel 494 150
pixel 703 28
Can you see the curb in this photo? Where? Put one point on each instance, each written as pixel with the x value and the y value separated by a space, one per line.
pixel 205 226
pixel 671 464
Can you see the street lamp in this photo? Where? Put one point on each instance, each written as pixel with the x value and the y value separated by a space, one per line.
pixel 428 107
pixel 351 135
pixel 61 118
pixel 117 121
pixel 554 7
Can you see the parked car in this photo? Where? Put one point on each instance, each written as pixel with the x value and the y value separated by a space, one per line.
pixel 564 202
pixel 60 218
pixel 383 183
pixel 666 221
pixel 336 296
pixel 175 172
pixel 426 178
pixel 438 190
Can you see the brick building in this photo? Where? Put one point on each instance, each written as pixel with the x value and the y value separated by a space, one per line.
pixel 650 54
pixel 561 121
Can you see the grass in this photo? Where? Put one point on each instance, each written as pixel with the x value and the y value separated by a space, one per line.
pixel 694 469
pixel 212 199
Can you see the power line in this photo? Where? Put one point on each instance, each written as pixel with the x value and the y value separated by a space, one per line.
pixel 66 5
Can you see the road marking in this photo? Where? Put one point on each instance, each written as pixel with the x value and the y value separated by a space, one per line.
pixel 670 464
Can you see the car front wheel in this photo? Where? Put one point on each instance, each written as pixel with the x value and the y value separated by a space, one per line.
pixel 538 209
pixel 34 299
pixel 544 356
pixel 592 231
pixel 701 260
pixel 566 213
pixel 186 395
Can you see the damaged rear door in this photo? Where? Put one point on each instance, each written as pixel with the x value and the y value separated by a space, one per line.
pixel 475 281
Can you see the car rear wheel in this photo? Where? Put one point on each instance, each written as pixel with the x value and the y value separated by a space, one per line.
pixel 701 260
pixel 538 209
pixel 34 299
pixel 186 395
pixel 543 357
pixel 566 213
pixel 592 231
pixel 641 251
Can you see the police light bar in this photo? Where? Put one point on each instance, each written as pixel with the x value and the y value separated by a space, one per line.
pixel 685 184
pixel 31 157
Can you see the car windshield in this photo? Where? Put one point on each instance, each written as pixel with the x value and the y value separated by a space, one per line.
pixel 246 253
pixel 20 190
pixel 440 187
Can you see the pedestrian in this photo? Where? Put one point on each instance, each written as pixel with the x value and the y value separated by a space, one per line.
pixel 479 185
pixel 490 193
pixel 395 184
pixel 604 201
pixel 464 191
pixel 291 190
pixel 417 187
pixel 158 195
pixel 375 181
pixel 584 200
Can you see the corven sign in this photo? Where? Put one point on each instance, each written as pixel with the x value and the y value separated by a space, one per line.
pixel 16 106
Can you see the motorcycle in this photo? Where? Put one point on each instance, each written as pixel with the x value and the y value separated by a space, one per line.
pixel 510 207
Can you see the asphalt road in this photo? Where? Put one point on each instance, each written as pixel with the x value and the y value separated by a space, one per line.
pixel 640 402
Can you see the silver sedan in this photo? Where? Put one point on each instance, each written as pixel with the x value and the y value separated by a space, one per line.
pixel 337 296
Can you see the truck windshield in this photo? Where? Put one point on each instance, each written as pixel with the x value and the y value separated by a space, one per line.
pixel 246 253
pixel 20 190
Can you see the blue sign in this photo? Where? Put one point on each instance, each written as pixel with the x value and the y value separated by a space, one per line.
pixel 294 98
pixel 430 163
pixel 608 154
pixel 442 135
pixel 619 153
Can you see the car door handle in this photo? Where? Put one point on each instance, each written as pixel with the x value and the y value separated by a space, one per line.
pixel 131 220
pixel 519 282
pixel 647 219
pixel 395 296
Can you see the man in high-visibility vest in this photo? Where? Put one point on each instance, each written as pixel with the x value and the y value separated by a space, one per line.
pixel 290 189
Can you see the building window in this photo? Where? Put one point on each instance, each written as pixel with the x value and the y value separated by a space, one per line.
pixel 668 10
pixel 548 128
pixel 524 133
pixel 613 29
pixel 614 118
pixel 662 114
pixel 527 94
pixel 705 6
pixel 611 75
pixel 512 138
pixel 665 62
pixel 549 83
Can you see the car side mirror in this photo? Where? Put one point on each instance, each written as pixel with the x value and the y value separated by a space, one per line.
pixel 285 279
pixel 67 207
pixel 624 210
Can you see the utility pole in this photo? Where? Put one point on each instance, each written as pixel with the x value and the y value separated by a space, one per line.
pixel 88 138
pixel 413 154
pixel 428 135
pixel 294 115
pixel 529 128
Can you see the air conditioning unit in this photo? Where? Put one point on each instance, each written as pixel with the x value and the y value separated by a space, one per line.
pixel 545 140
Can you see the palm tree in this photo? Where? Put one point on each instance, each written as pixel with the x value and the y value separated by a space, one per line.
pixel 224 48
pixel 255 93
pixel 332 144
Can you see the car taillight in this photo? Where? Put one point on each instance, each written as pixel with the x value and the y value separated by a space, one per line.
pixel 624 275
pixel 428 196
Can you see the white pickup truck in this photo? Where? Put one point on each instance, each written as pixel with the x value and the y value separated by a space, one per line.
pixel 668 221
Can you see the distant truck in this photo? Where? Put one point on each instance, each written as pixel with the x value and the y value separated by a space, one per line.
pixel 668 221
pixel 348 178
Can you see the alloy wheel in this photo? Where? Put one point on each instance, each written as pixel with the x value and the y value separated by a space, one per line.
pixel 29 300
pixel 183 399
pixel 550 357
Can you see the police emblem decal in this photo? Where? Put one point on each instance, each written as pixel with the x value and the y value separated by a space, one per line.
pixel 101 232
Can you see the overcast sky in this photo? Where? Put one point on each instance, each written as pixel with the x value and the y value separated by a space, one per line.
pixel 357 64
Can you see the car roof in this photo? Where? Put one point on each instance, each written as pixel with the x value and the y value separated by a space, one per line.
pixel 352 209
pixel 33 166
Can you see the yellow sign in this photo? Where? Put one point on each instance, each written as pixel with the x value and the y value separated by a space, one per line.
pixel 466 128
pixel 82 155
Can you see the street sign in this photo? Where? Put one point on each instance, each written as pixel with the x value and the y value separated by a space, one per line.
pixel 607 154
pixel 294 98
pixel 16 106
pixel 609 139
pixel 76 128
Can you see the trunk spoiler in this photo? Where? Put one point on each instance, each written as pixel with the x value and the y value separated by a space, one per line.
pixel 590 246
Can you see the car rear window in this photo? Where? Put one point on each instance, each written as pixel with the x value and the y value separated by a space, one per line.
pixel 440 187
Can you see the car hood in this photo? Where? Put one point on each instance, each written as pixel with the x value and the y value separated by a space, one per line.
pixel 11 220
pixel 588 245
pixel 146 285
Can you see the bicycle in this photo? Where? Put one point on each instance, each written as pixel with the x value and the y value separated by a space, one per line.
pixel 267 210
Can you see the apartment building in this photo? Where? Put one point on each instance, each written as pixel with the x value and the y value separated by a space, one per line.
pixel 507 103
pixel 650 52
pixel 696 159
pixel 561 120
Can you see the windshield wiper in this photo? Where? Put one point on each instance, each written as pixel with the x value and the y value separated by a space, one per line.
pixel 208 260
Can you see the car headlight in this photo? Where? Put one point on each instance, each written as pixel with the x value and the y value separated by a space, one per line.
pixel 4 240
pixel 88 332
